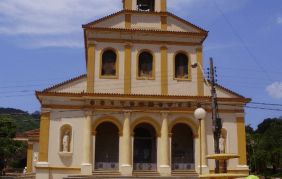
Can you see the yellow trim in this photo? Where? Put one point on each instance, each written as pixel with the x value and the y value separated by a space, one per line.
pixel 163 5
pixel 164 82
pixel 137 65
pixel 146 41
pixel 57 168
pixel 164 22
pixel 184 120
pixel 29 158
pixel 205 99
pixel 127 69
pixel 189 66
pixel 127 21
pixel 44 137
pixel 149 120
pixel 241 139
pixel 150 109
pixel 128 4
pixel 117 64
pixel 107 119
pixel 90 68
pixel 200 78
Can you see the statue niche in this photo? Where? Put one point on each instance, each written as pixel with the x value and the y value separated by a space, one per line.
pixel 66 138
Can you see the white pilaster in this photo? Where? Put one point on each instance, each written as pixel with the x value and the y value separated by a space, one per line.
pixel 86 166
pixel 165 169
pixel 126 166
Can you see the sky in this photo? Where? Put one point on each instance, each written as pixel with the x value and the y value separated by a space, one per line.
pixel 41 45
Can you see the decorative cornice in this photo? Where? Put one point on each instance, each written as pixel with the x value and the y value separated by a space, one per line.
pixel 240 114
pixel 91 42
pixel 45 110
pixel 88 112
pixel 164 46
pixel 128 44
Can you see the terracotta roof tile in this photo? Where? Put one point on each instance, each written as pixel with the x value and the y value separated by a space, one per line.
pixel 64 83
pixel 20 135
pixel 33 132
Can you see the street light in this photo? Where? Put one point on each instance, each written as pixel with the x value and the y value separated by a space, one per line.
pixel 200 114
pixel 194 65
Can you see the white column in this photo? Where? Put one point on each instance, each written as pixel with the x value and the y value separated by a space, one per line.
pixel 126 166
pixel 165 169
pixel 93 149
pixel 205 169
pixel 86 166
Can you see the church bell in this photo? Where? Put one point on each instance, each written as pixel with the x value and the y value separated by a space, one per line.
pixel 144 4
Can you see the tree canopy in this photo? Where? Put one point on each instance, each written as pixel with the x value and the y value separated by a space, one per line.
pixel 264 145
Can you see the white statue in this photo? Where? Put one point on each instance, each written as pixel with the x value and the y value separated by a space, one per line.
pixel 66 141
pixel 221 144
pixel 24 170
pixel 34 160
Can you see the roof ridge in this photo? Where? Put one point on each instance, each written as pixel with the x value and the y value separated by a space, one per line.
pixel 146 30
pixel 238 95
pixel 160 95
pixel 65 82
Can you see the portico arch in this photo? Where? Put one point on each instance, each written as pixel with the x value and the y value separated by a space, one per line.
pixel 185 120
pixel 107 119
pixel 183 132
pixel 149 120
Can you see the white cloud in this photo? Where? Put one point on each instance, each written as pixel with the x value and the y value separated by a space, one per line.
pixel 275 90
pixel 279 20
pixel 51 16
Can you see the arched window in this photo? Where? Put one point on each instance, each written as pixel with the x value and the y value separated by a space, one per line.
pixel 109 64
pixel 182 67
pixel 145 65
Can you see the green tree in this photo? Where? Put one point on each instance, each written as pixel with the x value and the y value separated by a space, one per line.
pixel 8 146
pixel 264 146
pixel 267 123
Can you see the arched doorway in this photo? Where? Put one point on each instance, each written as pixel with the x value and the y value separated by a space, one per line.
pixel 145 147
pixel 107 147
pixel 182 148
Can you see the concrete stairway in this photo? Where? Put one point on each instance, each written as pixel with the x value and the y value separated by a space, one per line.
pixel 115 174
pixel 188 174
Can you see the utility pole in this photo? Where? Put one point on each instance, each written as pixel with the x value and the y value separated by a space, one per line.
pixel 216 122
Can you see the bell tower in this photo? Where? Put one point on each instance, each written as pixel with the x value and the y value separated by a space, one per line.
pixel 145 5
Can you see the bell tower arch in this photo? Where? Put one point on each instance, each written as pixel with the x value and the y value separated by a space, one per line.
pixel 145 5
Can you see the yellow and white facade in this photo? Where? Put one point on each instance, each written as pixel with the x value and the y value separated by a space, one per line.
pixel 133 110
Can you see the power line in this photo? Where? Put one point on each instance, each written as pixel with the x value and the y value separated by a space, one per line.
pixel 242 41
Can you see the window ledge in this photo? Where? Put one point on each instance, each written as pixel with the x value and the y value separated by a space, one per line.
pixel 108 77
pixel 182 79
pixel 143 78
pixel 65 154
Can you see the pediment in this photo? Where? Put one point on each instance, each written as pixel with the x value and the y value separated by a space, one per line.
pixel 75 85
pixel 221 92
pixel 145 20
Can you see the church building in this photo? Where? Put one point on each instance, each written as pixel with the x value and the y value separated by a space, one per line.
pixel 132 113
